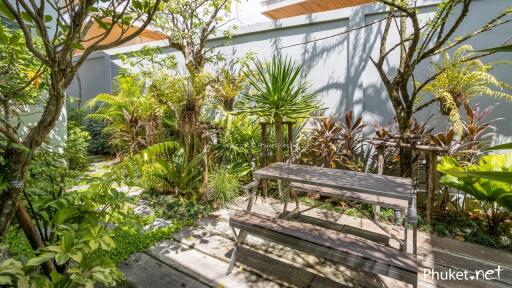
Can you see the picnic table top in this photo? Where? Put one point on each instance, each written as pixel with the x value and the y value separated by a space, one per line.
pixel 382 185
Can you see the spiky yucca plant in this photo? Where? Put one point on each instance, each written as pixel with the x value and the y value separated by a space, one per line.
pixel 278 92
pixel 460 79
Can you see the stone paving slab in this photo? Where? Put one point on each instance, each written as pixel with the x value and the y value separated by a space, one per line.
pixel 205 268
pixel 144 271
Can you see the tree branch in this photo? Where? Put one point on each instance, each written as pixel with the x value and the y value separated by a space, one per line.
pixel 425 105
pixel 29 41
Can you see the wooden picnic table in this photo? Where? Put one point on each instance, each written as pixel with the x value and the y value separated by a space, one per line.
pixel 386 191
pixel 382 190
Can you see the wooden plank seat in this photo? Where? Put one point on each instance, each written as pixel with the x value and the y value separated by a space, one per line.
pixel 348 251
pixel 383 201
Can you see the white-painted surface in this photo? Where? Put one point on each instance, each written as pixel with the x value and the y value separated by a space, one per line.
pixel 339 67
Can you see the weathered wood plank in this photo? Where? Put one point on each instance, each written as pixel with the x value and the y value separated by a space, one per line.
pixel 355 253
pixel 388 186
pixel 387 202
pixel 347 230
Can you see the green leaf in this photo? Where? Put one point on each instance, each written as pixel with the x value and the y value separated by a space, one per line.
pixel 62 258
pixel 36 261
pixel 63 214
pixel 78 46
pixel 5 11
pixel 3 37
pixel 53 248
pixel 48 18
pixel 23 283
pixel 107 243
pixel 77 256
pixel 507 48
pixel 67 241
pixel 137 5
pixel 500 176
pixel 14 39
pixel 5 280
pixel 505 146
pixel 94 244
pixel 103 25
pixel 25 16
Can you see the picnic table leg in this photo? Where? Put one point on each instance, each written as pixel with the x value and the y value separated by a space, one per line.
pixel 398 215
pixel 252 198
pixel 253 194
pixel 412 219
pixel 406 232
pixel 296 197
pixel 380 171
pixel 232 261
pixel 284 197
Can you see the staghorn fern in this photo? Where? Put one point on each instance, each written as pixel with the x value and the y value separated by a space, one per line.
pixel 460 79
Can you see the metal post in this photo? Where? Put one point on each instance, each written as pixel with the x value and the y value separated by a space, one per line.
pixel 264 155
pixel 380 171
pixel 235 250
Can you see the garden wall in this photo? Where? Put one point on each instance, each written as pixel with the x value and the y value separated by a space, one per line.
pixel 339 67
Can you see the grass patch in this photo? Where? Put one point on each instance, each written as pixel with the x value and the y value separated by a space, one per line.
pixel 358 209
pixel 130 240
pixel 130 237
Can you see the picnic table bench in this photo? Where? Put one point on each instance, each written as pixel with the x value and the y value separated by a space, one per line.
pixel 359 253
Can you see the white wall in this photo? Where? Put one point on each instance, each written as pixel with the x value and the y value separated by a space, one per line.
pixel 339 67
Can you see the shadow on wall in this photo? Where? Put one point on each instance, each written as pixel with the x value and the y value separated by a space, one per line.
pixel 322 60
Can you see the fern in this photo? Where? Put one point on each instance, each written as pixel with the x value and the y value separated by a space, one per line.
pixel 460 79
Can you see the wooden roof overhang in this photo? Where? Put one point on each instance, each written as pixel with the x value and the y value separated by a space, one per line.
pixel 305 7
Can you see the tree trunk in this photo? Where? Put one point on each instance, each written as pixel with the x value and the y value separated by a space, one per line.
pixel 188 129
pixel 32 235
pixel 278 128
pixel 18 159
pixel 406 156
pixel 17 165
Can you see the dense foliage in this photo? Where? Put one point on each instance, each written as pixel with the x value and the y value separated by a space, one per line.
pixel 495 197
pixel 133 117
